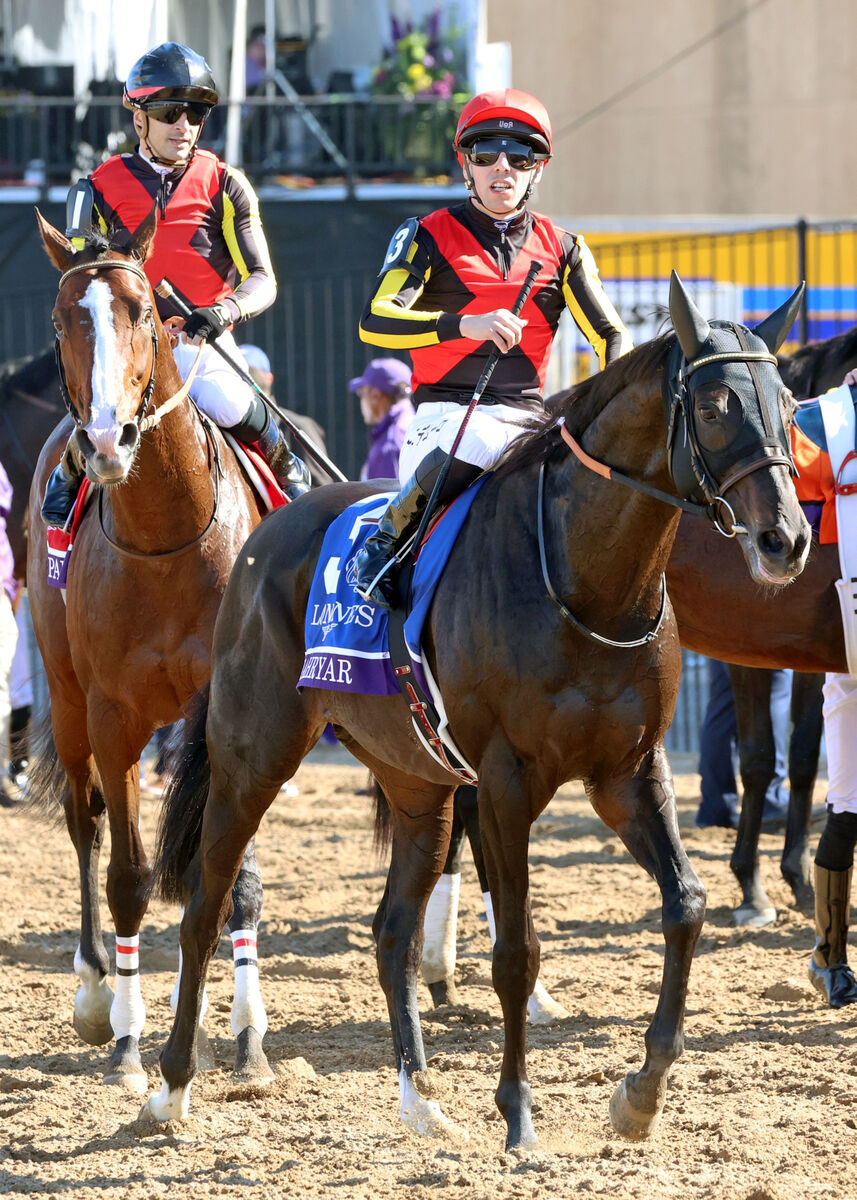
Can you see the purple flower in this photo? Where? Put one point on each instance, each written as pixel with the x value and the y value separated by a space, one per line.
pixel 447 55
pixel 428 61
pixel 441 87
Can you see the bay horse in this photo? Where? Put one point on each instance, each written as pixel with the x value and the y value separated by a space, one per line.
pixel 537 691
pixel 808 372
pixel 129 642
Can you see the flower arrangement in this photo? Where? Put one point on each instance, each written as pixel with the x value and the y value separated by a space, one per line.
pixel 421 63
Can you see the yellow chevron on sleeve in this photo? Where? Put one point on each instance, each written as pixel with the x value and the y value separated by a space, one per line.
pixel 383 306
pixel 596 288
pixel 257 233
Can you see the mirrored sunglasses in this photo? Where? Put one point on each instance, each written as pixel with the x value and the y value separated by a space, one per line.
pixel 485 153
pixel 168 114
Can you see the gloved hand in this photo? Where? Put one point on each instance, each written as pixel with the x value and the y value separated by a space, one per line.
pixel 208 323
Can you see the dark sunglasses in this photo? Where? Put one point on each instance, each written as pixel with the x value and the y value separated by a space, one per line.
pixel 485 153
pixel 168 114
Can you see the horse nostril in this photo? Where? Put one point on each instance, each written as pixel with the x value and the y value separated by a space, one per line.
pixel 771 542
pixel 130 436
pixel 84 443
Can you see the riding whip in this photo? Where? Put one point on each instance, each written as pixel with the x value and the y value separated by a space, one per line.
pixel 166 290
pixel 482 383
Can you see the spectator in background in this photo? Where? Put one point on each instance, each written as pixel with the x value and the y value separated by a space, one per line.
pixel 718 737
pixel 8 625
pixel 384 389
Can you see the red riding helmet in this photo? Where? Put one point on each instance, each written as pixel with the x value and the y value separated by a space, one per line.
pixel 508 112
pixel 170 72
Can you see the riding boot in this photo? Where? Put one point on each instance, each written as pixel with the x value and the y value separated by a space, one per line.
pixel 291 472
pixel 62 488
pixel 828 968
pixel 375 561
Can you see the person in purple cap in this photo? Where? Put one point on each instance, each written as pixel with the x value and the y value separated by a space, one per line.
pixel 384 389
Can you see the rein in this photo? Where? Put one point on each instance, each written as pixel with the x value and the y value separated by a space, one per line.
pixel 161 554
pixel 771 456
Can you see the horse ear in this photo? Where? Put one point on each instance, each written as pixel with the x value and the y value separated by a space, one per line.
pixel 774 329
pixel 691 327
pixel 59 248
pixel 140 244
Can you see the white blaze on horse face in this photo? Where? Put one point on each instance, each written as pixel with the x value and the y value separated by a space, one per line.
pixel 103 429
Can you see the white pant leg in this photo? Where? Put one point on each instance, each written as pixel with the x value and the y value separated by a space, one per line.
pixel 8 642
pixel 20 679
pixel 490 430
pixel 840 733
pixel 217 389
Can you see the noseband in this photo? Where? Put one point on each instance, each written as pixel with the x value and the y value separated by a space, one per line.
pixel 108 264
pixel 687 461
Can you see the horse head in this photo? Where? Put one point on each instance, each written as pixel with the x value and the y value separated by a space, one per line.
pixel 107 338
pixel 728 416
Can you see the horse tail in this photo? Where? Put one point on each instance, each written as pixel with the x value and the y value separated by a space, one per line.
pixel 383 832
pixel 180 825
pixel 47 783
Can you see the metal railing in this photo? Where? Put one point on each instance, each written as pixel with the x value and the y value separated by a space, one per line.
pixel 51 140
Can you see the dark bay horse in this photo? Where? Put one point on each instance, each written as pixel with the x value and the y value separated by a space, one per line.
pixel 130 641
pixel 587 692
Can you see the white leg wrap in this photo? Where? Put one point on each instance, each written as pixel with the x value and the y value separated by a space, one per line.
pixel 174 998
pixel 248 1008
pixel 127 1012
pixel 541 1006
pixel 168 1105
pixel 439 929
pixel 489 913
pixel 840 734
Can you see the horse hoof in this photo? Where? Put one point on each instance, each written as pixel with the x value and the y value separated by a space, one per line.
pixel 251 1064
pixel 629 1121
pixel 204 1053
pixel 523 1138
pixel 94 1033
pixel 91 1019
pixel 750 917
pixel 167 1104
pixel 443 992
pixel 131 1080
pixel 542 1009
pixel 426 1118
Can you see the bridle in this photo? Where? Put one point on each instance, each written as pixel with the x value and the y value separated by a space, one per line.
pixel 690 468
pixel 143 421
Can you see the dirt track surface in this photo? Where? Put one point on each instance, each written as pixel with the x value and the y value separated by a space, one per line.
pixel 763 1105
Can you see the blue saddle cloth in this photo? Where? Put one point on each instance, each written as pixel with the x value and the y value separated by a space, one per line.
pixel 347 646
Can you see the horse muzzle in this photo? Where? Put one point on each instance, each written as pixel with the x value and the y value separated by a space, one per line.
pixel 108 457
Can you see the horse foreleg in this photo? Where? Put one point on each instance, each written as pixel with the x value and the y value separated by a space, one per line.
pixel 642 811
pixel 85 819
pixel 441 919
pixel 128 880
pixel 249 1019
pixel 804 749
pixel 504 816
pixel 751 687
pixel 420 845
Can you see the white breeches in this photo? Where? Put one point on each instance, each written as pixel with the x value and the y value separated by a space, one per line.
pixel 20 678
pixel 8 641
pixel 840 734
pixel 491 428
pixel 217 389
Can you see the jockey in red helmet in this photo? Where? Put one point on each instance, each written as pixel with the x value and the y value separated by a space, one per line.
pixel 209 243
pixel 446 290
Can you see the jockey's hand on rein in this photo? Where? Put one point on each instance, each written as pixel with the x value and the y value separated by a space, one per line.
pixel 208 323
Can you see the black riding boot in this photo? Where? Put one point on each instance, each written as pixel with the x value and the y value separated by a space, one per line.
pixel 62 488
pixel 291 472
pixel 374 563
pixel 828 968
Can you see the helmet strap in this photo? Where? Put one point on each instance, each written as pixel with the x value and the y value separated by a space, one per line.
pixel 470 184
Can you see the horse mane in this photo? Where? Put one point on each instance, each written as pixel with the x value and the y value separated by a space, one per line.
pixel 818 366
pixel 580 405
pixel 97 245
